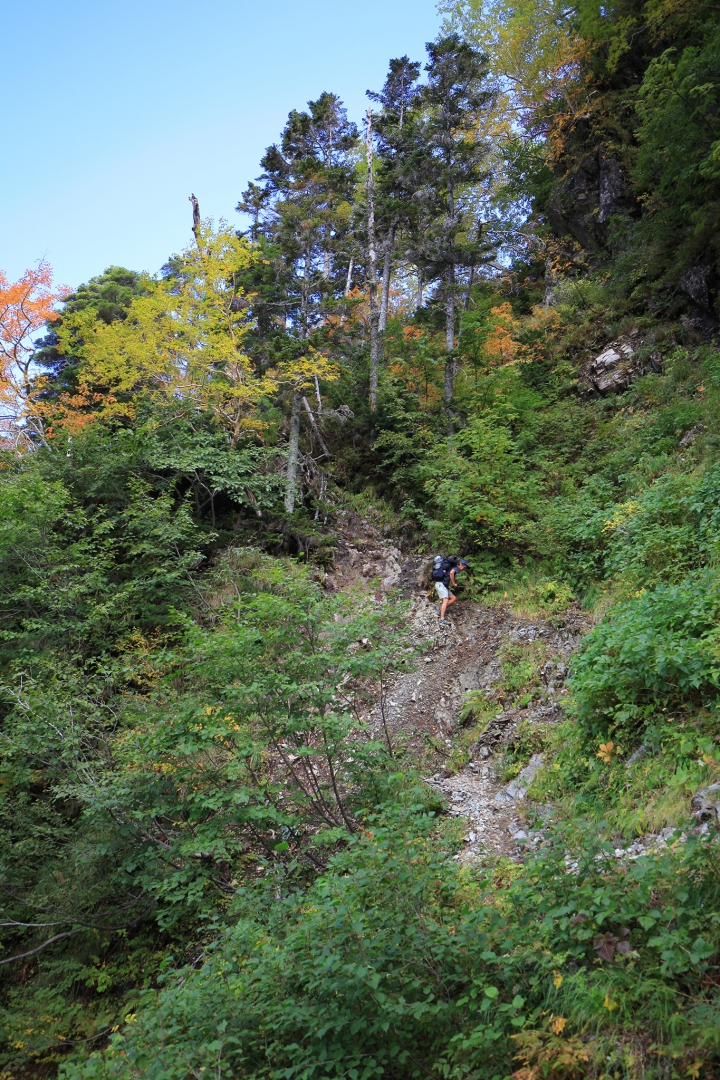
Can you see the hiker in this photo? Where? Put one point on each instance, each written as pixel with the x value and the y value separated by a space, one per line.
pixel 443 574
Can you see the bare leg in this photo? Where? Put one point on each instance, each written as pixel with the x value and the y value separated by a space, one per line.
pixel 446 604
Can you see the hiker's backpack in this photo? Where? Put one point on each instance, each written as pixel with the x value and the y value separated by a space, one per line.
pixel 442 565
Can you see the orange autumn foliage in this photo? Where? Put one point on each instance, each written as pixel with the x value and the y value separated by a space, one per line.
pixel 26 306
pixel 417 364
pixel 501 344
pixel 499 338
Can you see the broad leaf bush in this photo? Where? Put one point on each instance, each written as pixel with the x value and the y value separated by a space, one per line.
pixel 479 491
pixel 657 650
pixel 397 963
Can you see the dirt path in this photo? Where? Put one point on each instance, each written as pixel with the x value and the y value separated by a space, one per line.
pixel 422 707
pixel 473 653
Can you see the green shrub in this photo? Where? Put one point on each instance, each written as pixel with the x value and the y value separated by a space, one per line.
pixel 667 532
pixel 657 650
pixel 78 577
pixel 479 492
pixel 397 963
pixel 553 596
pixel 659 535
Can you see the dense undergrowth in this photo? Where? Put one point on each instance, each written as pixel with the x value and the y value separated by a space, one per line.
pixel 249 884
pixel 210 867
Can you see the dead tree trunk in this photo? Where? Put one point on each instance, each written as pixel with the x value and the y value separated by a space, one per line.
pixel 449 382
pixel 372 269
pixel 196 220
pixel 293 452
pixel 385 296
pixel 468 291
pixel 304 290
pixel 316 429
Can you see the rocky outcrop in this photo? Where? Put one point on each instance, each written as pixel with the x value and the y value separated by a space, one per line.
pixel 517 788
pixel 700 284
pixel 584 201
pixel 691 436
pixel 706 804
pixel 617 366
pixel 612 370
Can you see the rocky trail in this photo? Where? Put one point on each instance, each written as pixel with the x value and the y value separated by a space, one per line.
pixel 423 706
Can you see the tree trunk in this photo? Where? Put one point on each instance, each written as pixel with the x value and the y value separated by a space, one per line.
pixel 449 386
pixel 471 278
pixel 196 220
pixel 419 298
pixel 304 295
pixel 372 269
pixel 385 297
pixel 316 429
pixel 293 452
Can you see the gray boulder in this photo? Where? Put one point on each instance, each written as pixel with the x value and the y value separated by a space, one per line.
pixel 517 788
pixel 705 804
pixel 612 371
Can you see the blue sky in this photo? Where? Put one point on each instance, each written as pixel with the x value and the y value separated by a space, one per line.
pixel 118 111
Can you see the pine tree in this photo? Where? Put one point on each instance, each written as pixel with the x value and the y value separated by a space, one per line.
pixel 446 163
pixel 304 213
pixel 394 205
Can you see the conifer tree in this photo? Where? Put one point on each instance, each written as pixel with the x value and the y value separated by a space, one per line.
pixel 254 199
pixel 394 204
pixel 446 161
pixel 109 296
pixel 371 263
pixel 308 178
pixel 304 212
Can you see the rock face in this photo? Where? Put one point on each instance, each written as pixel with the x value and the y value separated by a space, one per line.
pixel 695 283
pixel 584 201
pixel 613 370
pixel 615 194
pixel 363 556
pixel 383 564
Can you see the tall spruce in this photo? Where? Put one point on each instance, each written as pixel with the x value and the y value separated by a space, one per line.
pixel 447 161
pixel 394 204
pixel 308 177
pixel 303 213
pixel 372 262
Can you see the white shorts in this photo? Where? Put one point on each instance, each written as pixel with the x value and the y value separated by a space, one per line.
pixel 442 590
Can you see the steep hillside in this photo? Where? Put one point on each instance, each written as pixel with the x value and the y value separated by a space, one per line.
pixel 262 814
